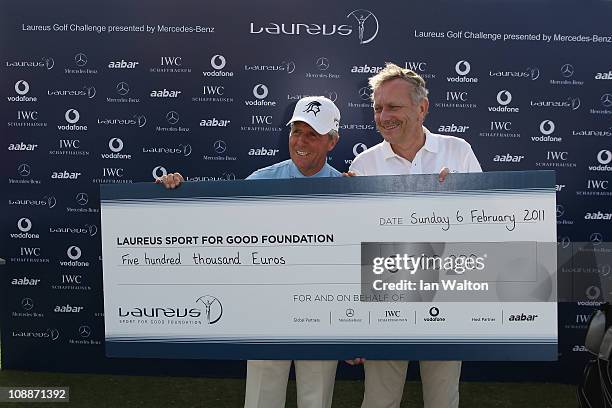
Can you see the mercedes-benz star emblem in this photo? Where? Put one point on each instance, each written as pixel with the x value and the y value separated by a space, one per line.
pixel 220 146
pixel 172 117
pixel 80 59
pixel 84 331
pixel 365 93
pixel 82 198
pixel 596 238
pixel 567 70
pixel 322 64
pixel 123 88
pixel 350 312
pixel 27 304
pixel 23 170
pixel 606 100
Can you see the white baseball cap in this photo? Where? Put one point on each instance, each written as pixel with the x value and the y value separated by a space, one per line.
pixel 319 112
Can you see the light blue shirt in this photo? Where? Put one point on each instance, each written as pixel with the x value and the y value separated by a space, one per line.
pixel 287 169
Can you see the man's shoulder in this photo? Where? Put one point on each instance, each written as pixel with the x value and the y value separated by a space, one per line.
pixel 447 141
pixel 271 171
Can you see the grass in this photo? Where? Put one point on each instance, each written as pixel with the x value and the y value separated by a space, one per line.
pixel 118 391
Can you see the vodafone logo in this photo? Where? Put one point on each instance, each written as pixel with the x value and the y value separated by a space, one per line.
pixel 260 91
pixel 218 62
pixel 115 145
pixel 547 127
pixel 22 87
pixel 359 148
pixel 604 157
pixel 73 252
pixel 504 97
pixel 24 224
pixel 462 67
pixel 159 171
pixel 72 116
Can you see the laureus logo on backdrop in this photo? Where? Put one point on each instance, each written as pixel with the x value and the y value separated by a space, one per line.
pixel 364 27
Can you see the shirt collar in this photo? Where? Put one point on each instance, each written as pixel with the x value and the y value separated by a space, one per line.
pixel 432 142
pixel 296 173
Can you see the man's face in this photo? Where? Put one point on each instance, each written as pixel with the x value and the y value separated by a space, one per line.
pixel 397 117
pixel 308 149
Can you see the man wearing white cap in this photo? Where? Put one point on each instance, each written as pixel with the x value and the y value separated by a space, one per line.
pixel 314 133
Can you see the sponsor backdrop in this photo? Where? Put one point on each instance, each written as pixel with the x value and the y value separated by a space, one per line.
pixel 121 93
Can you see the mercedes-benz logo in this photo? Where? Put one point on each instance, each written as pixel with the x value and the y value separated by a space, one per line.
pixel 220 146
pixel 362 16
pixel 596 238
pixel 350 312
pixel 217 62
pixel 567 70
pixel 462 67
pixel 80 59
pixel 22 87
pixel 322 63
pixel 122 88
pixel 504 97
pixel 547 127
pixel 81 199
pixel 172 117
pixel 365 93
pixel 560 210
pixel 27 304
pixel 289 66
pixel 23 170
pixel 606 100
pixel 84 331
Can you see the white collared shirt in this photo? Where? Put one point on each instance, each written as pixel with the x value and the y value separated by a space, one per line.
pixel 438 151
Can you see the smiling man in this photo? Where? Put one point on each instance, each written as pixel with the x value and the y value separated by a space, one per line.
pixel 400 106
pixel 314 133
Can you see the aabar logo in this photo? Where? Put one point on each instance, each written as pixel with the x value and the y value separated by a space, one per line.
pixel 604 75
pixel 68 309
pixel 25 282
pixel 22 147
pixel 165 93
pixel 508 158
pixel 262 151
pixel 452 128
pixel 65 175
pixel 522 317
pixel 598 216
pixel 123 64
pixel 214 122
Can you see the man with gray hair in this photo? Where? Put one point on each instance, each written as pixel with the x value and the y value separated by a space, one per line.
pixel 400 106
pixel 314 133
